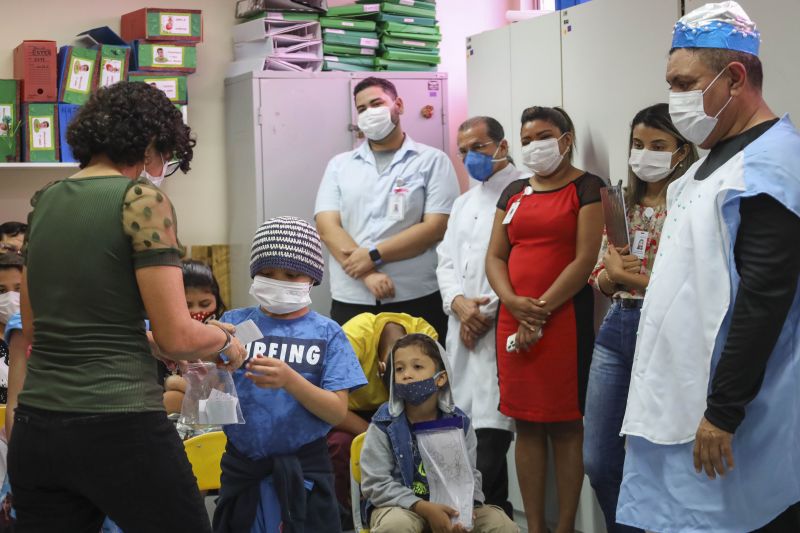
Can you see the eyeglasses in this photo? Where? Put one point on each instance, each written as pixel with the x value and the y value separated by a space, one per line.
pixel 172 167
pixel 474 148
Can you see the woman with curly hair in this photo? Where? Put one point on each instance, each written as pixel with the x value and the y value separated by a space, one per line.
pixel 90 436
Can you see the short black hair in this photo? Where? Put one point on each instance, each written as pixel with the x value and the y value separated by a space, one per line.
pixel 199 275
pixel 10 260
pixel 387 86
pixel 493 128
pixel 555 116
pixel 12 229
pixel 717 59
pixel 426 344
pixel 122 120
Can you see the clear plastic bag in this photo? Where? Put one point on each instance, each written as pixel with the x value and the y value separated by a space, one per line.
pixel 210 398
pixel 443 449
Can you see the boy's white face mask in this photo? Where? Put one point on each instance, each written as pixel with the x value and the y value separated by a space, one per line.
pixel 280 297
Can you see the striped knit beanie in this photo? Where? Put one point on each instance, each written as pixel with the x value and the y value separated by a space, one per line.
pixel 290 243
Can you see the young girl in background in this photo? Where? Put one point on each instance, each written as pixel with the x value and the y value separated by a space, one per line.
pixel 658 156
pixel 202 291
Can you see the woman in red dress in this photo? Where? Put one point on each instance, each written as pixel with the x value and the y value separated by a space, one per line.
pixel 546 236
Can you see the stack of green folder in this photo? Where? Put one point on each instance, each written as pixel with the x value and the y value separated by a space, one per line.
pixel 350 41
pixel 382 35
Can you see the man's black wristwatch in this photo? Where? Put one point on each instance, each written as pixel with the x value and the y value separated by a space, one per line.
pixel 375 255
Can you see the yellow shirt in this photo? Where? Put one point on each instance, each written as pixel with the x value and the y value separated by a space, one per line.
pixel 364 333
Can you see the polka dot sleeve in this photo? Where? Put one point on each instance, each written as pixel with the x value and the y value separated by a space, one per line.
pixel 149 220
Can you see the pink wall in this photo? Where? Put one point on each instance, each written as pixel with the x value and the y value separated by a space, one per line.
pixel 458 20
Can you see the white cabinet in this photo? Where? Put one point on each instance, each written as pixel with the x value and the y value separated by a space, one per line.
pixel 283 128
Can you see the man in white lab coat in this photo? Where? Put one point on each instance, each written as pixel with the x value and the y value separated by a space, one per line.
pixel 470 303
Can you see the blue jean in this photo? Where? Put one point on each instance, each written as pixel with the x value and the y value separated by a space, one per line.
pixel 607 394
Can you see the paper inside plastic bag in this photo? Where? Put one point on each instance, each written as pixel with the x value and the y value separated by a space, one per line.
pixel 450 478
pixel 210 398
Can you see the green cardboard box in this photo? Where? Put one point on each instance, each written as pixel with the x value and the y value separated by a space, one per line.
pixel 173 85
pixel 172 57
pixel 10 123
pixel 114 64
pixel 40 130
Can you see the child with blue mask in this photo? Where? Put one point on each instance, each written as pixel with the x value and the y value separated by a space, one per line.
pixel 293 388
pixel 393 474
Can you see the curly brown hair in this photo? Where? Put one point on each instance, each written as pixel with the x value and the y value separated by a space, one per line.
pixel 122 120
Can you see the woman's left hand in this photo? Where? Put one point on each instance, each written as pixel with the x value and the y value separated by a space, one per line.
pixel 527 338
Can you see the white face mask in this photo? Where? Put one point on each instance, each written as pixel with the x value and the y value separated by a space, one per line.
pixel 376 123
pixel 9 305
pixel 156 180
pixel 651 165
pixel 280 297
pixel 543 157
pixel 688 113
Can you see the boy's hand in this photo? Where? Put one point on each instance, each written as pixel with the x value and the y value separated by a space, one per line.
pixel 269 373
pixel 438 516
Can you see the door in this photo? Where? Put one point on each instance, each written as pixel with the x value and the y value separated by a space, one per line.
pixel 304 123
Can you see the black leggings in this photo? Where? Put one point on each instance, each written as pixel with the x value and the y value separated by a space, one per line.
pixel 68 471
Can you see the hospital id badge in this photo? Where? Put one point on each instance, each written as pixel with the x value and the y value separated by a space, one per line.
pixel 511 211
pixel 639 244
pixel 397 205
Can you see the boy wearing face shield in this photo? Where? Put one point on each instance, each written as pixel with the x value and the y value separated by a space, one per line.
pixel 714 380
pixel 394 478
pixel 380 210
pixel 276 472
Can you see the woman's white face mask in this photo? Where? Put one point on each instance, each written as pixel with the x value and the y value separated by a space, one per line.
pixel 651 166
pixel 280 297
pixel 543 157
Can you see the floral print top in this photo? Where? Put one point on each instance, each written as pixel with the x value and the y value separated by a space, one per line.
pixel 644 227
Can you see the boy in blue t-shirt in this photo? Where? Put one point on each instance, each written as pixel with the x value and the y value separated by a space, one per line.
pixel 293 387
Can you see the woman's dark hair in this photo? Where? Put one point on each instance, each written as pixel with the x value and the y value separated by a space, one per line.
pixel 555 116
pixel 657 117
pixel 122 120
pixel 198 275
pixel 426 344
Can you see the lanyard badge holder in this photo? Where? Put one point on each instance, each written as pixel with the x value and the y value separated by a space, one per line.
pixel 398 201
pixel 513 209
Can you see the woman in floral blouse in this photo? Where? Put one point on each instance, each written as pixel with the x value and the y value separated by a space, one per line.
pixel 658 156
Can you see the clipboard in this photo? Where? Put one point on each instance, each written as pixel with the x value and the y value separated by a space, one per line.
pixel 615 216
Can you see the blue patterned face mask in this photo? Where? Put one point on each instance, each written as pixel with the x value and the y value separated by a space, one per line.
pixel 417 392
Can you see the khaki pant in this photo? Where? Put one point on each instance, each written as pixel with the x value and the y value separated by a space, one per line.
pixel 488 519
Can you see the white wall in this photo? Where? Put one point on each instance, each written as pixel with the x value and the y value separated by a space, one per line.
pixel 199 197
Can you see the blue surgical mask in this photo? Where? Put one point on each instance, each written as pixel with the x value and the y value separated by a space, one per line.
pixel 417 392
pixel 480 166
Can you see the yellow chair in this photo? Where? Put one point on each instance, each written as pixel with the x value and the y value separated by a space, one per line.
pixel 355 483
pixel 205 453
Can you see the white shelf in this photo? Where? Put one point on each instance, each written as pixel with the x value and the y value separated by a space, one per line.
pixel 38 165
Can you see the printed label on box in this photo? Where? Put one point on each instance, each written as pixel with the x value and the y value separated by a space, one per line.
pixel 168 85
pixel 333 30
pixel 409 20
pixel 168 56
pixel 174 24
pixel 414 43
pixel 272 15
pixel 349 24
pixel 370 42
pixel 111 72
pixel 407 2
pixel 6 119
pixel 80 75
pixel 41 128
pixel 371 8
pixel 367 52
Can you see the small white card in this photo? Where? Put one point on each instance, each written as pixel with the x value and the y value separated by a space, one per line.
pixel 639 243
pixel 248 332
pixel 397 207
pixel 511 211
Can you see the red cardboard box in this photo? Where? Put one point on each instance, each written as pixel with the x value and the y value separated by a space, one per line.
pixel 161 24
pixel 36 66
